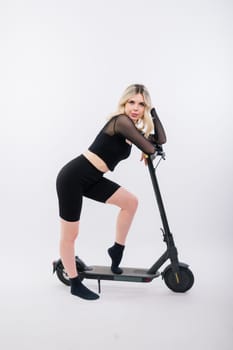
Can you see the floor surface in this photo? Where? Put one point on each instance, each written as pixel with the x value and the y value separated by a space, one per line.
pixel 39 313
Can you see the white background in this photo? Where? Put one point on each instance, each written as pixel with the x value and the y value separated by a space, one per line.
pixel 64 65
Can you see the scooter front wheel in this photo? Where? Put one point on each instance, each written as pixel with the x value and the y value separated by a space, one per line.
pixel 181 283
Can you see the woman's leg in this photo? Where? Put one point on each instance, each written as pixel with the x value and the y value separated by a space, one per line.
pixel 127 203
pixel 69 232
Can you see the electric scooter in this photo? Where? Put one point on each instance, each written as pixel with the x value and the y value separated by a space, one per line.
pixel 177 275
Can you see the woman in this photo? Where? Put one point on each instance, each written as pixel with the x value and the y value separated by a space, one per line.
pixel 84 176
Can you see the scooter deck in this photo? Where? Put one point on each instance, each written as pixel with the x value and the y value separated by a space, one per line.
pixel 130 274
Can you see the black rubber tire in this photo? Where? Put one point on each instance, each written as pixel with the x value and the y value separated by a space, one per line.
pixel 185 283
pixel 62 275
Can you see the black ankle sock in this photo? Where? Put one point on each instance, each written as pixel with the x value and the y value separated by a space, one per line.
pixel 116 252
pixel 78 289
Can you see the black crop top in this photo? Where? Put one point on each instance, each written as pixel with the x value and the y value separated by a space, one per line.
pixel 111 143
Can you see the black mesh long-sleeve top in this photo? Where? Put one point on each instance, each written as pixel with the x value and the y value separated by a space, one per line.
pixel 111 143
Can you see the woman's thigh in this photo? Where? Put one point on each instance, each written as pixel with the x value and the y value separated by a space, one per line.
pixel 123 199
pixel 101 190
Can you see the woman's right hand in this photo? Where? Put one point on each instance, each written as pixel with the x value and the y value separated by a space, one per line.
pixel 144 158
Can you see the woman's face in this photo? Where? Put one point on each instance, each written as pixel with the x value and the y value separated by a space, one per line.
pixel 135 107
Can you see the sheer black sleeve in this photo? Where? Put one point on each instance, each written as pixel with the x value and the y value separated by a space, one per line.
pixel 125 126
pixel 159 137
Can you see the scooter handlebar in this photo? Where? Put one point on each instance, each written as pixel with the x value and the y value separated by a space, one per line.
pixel 159 152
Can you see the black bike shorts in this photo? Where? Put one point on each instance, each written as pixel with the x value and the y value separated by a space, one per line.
pixel 80 178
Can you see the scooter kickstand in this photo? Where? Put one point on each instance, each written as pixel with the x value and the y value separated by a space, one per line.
pixel 99 288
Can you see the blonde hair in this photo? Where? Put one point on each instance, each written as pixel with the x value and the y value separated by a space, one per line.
pixel 145 124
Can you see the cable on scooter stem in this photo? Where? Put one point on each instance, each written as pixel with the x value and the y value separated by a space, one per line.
pixel 159 152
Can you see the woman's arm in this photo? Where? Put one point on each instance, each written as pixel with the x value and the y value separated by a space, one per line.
pixel 125 126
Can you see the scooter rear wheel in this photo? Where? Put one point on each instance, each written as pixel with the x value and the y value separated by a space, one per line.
pixel 63 276
pixel 185 282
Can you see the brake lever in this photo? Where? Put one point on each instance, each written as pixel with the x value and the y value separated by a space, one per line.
pixel 159 152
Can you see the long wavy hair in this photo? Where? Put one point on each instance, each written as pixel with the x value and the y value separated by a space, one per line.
pixel 145 124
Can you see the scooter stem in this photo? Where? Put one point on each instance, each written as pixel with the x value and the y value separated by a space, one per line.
pixel 158 196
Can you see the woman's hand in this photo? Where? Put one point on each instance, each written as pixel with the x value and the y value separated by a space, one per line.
pixel 144 158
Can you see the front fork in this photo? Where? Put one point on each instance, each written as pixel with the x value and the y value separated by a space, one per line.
pixel 170 254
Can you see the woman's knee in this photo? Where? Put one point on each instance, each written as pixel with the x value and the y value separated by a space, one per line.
pixel 133 202
pixel 130 203
pixel 69 230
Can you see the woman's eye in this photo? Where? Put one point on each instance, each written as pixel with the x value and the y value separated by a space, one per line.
pixel 132 102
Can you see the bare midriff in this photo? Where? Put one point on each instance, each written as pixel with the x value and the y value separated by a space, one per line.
pixel 96 161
